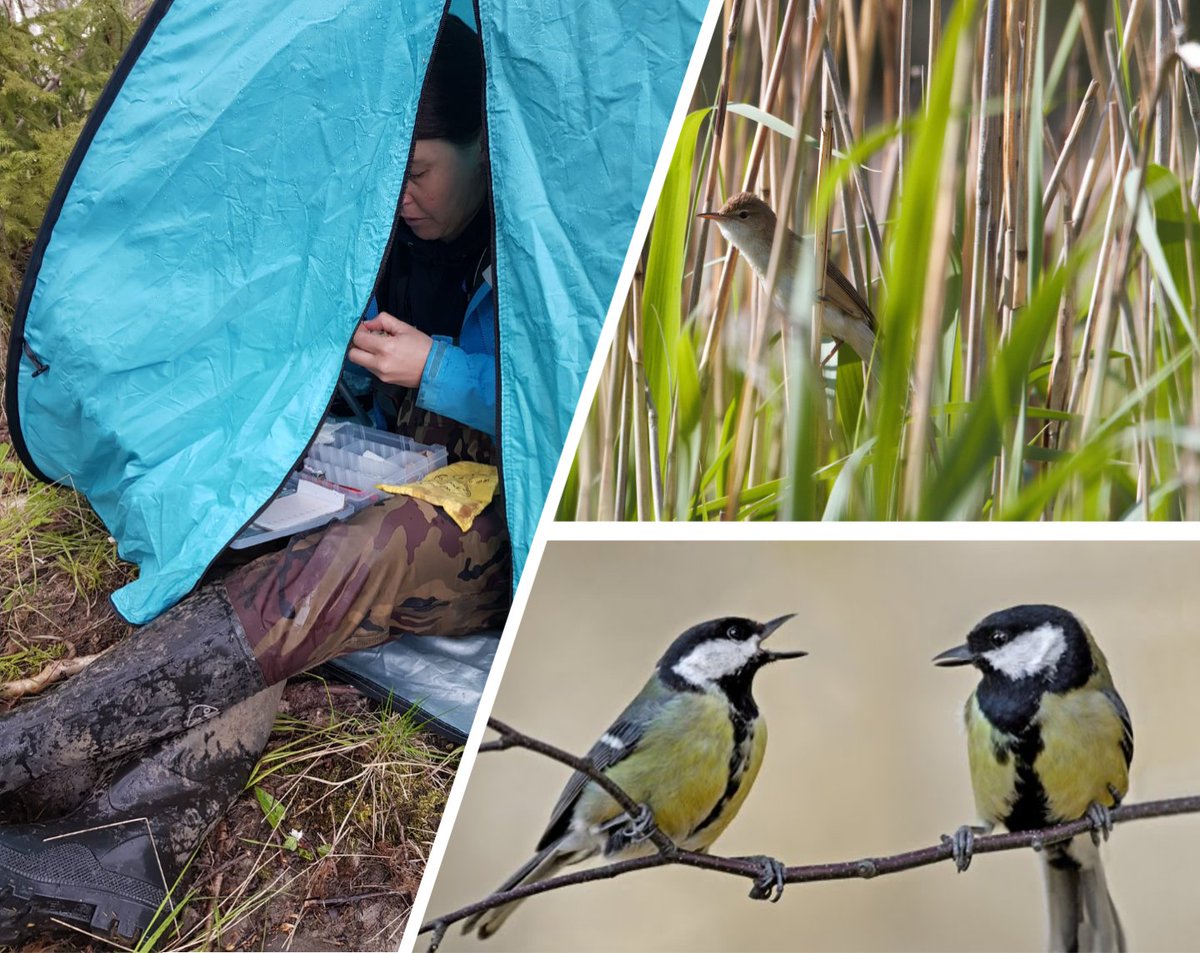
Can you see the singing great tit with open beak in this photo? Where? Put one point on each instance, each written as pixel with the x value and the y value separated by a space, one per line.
pixel 687 750
pixel 1049 740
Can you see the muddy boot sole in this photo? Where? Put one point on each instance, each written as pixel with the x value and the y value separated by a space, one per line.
pixel 59 886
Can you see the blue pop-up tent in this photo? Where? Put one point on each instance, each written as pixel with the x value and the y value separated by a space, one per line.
pixel 218 231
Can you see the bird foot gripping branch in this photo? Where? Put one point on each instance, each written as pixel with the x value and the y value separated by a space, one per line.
pixel 1101 818
pixel 770 883
pixel 962 844
pixel 627 831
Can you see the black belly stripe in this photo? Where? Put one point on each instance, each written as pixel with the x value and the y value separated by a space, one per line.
pixel 1029 807
pixel 1011 708
pixel 743 737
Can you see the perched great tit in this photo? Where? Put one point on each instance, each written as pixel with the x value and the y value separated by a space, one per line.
pixel 687 750
pixel 1049 741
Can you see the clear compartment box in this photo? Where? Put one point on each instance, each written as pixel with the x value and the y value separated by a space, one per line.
pixel 358 457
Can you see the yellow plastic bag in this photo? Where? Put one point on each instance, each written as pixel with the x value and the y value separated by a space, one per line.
pixel 461 489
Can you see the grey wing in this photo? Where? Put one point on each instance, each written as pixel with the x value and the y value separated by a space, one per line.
pixel 617 743
pixel 1123 712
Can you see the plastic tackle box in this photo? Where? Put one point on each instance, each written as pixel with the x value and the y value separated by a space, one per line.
pixel 341 469
pixel 357 457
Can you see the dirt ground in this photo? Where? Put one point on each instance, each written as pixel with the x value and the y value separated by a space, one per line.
pixel 349 879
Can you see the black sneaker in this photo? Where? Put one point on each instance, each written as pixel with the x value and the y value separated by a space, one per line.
pixel 56 878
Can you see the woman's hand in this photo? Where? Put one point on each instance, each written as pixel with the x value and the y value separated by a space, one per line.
pixel 393 351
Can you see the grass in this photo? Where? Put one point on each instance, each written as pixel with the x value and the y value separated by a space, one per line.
pixel 56 559
pixel 28 660
pixel 331 838
pixel 1028 239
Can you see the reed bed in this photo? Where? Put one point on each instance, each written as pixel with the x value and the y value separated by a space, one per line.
pixel 1012 184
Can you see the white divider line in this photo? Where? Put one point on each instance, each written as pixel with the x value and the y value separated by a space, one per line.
pixel 417 915
pixel 960 531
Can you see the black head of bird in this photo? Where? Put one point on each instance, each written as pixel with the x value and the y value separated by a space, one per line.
pixel 722 655
pixel 1029 648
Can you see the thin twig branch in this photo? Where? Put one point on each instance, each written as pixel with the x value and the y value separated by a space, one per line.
pixel 751 868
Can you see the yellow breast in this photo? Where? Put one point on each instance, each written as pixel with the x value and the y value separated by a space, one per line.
pixel 681 770
pixel 993 769
pixel 1081 752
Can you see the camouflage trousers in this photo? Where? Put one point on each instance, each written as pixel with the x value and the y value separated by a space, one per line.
pixel 400 566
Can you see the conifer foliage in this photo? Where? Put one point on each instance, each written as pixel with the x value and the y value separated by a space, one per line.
pixel 54 61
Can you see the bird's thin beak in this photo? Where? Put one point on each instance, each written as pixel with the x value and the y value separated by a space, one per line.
pixel 712 215
pixel 959 655
pixel 768 627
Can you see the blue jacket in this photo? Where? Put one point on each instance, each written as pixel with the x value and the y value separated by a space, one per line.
pixel 459 380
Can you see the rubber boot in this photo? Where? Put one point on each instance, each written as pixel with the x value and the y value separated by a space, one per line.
pixel 108 868
pixel 55 794
pixel 176 672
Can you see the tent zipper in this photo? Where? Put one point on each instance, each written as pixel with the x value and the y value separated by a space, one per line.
pixel 503 495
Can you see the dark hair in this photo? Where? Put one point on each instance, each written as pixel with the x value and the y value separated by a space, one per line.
pixel 451 104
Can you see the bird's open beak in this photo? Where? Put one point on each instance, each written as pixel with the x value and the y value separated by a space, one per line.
pixel 768 627
pixel 959 655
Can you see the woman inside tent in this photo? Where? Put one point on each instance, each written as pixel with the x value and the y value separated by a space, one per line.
pixel 168 724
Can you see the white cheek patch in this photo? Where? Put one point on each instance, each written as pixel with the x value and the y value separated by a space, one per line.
pixel 1030 653
pixel 714 660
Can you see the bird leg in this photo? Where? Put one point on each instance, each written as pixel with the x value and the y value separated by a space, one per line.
pixel 770 881
pixel 829 357
pixel 962 843
pixel 625 831
pixel 1101 821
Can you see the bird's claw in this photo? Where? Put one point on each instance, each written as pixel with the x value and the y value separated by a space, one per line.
pixel 962 846
pixel 770 882
pixel 1101 821
pixel 639 828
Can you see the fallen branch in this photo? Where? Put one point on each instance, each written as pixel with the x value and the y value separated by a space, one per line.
pixel 345 901
pixel 751 869
pixel 54 672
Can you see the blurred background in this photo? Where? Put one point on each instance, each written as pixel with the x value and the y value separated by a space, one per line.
pixel 866 755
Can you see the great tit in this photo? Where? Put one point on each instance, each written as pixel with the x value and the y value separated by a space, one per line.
pixel 687 750
pixel 1049 740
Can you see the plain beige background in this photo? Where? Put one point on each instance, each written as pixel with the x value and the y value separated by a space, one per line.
pixel 866 753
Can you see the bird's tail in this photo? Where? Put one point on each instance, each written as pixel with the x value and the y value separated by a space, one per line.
pixel 541 866
pixel 1082 914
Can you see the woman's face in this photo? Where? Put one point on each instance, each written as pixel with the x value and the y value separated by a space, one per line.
pixel 444 189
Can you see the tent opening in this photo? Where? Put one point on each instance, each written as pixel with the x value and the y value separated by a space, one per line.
pixel 435 277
